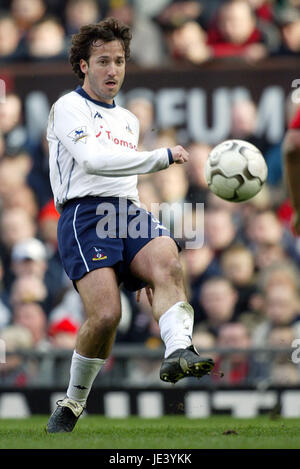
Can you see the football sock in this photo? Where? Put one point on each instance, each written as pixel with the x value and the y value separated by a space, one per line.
pixel 176 327
pixel 82 375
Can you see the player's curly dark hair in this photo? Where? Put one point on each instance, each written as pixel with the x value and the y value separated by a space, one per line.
pixel 109 29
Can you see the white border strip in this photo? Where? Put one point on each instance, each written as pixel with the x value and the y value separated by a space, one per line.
pixel 75 233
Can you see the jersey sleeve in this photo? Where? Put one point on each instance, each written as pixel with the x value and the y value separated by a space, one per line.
pixel 73 126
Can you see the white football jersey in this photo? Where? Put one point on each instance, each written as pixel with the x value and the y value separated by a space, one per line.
pixel 93 150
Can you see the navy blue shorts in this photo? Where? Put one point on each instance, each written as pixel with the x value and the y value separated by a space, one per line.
pixel 96 232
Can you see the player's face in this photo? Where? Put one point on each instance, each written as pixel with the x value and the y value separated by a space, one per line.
pixel 105 71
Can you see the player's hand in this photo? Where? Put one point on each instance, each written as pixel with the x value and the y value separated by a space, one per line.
pixel 180 155
pixel 149 293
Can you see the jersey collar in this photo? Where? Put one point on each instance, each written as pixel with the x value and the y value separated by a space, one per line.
pixel 84 94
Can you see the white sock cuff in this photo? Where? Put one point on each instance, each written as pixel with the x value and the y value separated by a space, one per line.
pixel 100 361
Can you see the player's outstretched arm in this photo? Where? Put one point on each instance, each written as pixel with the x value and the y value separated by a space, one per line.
pixel 72 126
pixel 291 155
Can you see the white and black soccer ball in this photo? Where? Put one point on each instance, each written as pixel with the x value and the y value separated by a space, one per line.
pixel 235 170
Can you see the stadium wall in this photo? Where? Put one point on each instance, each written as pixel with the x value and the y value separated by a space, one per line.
pixel 194 100
pixel 156 402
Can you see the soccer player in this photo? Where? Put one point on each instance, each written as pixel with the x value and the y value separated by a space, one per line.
pixel 291 153
pixel 94 165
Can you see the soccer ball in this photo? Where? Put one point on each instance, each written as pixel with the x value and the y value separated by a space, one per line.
pixel 235 170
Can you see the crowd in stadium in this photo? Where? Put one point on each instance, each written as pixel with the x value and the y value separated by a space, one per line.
pixel 164 31
pixel 249 250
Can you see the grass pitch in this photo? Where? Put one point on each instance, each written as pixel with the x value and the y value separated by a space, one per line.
pixel 178 432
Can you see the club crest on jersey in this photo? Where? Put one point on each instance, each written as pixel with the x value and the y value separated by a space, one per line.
pixel 79 134
pixel 98 256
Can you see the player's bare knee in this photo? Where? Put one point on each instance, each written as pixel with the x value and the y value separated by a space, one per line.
pixel 106 320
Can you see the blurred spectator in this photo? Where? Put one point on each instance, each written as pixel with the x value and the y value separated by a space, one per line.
pixel 261 202
pixel 237 367
pixel 13 175
pixel 263 9
pixel 238 266
pixel 149 195
pixel 276 275
pixel 144 328
pixel 187 42
pixel 236 33
pixel 218 298
pixel 27 12
pixel 63 334
pixel 173 184
pixel 30 258
pixel 11 48
pixel 5 314
pixel 179 11
pixel 79 13
pixel 166 138
pixel 200 265
pixel 143 108
pixel 281 309
pixel 46 41
pixel 23 198
pixel 70 307
pixel 32 316
pixel 285 213
pixel 47 221
pixel 203 340
pixel 150 9
pixel 265 229
pixel 195 168
pixel 16 225
pixel 269 254
pixel 282 372
pixel 2 145
pixel 279 274
pixel 215 203
pixel 146 45
pixel 16 371
pixel 244 123
pixel 28 289
pixel 289 21
pixel 273 155
pixel 38 178
pixel 11 124
pixel 220 230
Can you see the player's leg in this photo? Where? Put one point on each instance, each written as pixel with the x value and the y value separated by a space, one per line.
pixel 158 264
pixel 100 295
